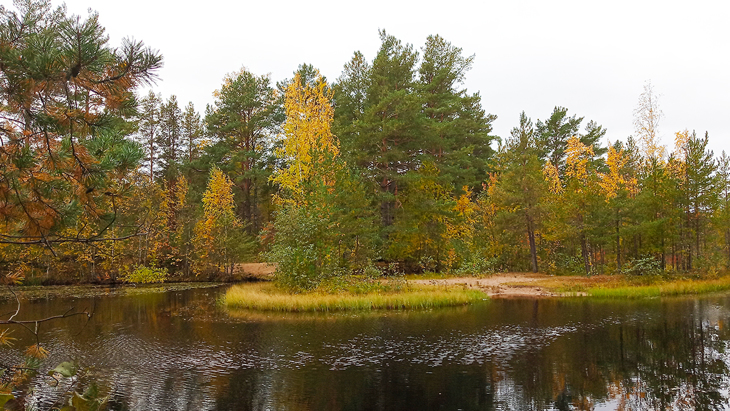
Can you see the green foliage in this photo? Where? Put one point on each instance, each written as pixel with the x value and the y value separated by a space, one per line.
pixel 66 369
pixel 145 275
pixel 330 233
pixel 645 266
pixel 65 88
pixel 246 114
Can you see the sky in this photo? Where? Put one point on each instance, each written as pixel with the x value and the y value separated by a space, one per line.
pixel 592 57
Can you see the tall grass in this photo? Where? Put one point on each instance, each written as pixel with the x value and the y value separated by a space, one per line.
pixel 266 297
pixel 667 289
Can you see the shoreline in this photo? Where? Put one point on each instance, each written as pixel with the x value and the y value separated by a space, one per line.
pixel 531 285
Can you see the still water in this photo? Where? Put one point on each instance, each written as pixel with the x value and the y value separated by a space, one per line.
pixel 179 350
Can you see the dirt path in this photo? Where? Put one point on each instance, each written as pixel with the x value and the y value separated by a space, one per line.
pixel 509 285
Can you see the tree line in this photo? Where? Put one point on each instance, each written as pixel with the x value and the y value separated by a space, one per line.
pixel 393 166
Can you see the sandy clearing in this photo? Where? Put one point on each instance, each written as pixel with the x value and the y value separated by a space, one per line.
pixel 499 285
pixel 263 270
pixel 508 285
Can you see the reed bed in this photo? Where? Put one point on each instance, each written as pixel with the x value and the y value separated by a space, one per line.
pixel 266 297
pixel 666 289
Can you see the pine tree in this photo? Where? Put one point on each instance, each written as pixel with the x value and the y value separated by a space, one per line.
pixel 68 101
pixel 456 132
pixel 723 215
pixel 169 140
pixel 699 188
pixel 388 137
pixel 554 133
pixel 520 189
pixel 192 132
pixel 149 129
pixel 350 93
pixel 243 120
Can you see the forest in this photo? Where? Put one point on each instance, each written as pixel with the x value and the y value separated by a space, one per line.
pixel 391 167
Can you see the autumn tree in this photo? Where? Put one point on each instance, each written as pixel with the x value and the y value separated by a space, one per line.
pixel 67 105
pixel 618 185
pixel 323 228
pixel 219 237
pixel 647 116
pixel 308 138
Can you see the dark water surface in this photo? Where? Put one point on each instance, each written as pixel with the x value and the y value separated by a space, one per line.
pixel 178 350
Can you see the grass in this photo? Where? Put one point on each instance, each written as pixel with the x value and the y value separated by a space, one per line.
pixel 664 289
pixel 620 286
pixel 266 297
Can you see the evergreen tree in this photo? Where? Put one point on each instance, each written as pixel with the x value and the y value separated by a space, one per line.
pixel 68 104
pixel 170 140
pixel 388 139
pixel 243 120
pixel 149 129
pixel 520 189
pixel 456 129
pixel 192 132
pixel 699 189
pixel 350 93
pixel 723 214
pixel 553 135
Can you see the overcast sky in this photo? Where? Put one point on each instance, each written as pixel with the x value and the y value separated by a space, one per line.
pixel 589 56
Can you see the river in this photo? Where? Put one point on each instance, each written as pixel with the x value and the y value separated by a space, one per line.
pixel 180 350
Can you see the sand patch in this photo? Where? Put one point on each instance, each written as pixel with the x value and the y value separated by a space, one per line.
pixel 510 285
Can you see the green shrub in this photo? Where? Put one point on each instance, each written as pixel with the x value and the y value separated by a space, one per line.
pixel 145 275
pixel 644 266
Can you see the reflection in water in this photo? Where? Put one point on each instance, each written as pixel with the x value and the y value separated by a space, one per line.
pixel 179 351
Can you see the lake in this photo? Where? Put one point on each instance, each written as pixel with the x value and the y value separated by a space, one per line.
pixel 180 350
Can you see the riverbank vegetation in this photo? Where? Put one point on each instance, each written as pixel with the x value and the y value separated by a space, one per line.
pixel 268 297
pixel 627 287
pixel 391 167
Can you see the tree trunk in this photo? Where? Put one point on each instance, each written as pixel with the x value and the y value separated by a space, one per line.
pixel 533 247
pixel 618 240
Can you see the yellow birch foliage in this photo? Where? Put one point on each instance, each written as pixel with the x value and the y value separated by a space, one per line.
pixel 308 138
pixel 677 164
pixel 615 180
pixel 550 172
pixel 578 156
pixel 219 220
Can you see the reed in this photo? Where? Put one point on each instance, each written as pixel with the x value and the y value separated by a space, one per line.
pixel 266 297
pixel 665 289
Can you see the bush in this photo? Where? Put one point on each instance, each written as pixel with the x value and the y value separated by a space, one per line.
pixel 325 234
pixel 565 264
pixel 145 275
pixel 477 266
pixel 644 266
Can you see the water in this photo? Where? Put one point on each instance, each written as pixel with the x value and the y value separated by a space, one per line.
pixel 178 350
